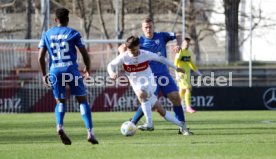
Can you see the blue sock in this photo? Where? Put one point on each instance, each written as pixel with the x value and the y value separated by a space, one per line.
pixel 60 112
pixel 178 112
pixel 138 115
pixel 86 115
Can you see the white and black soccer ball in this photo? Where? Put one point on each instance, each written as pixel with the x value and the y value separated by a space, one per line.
pixel 128 128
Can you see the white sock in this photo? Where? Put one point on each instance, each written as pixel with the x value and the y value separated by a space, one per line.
pixel 173 120
pixel 146 107
pixel 90 132
pixel 59 127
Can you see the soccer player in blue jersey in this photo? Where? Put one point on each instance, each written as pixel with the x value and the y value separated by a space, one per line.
pixel 60 42
pixel 156 42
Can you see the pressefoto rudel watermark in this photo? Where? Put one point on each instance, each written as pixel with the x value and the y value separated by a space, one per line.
pixel 122 81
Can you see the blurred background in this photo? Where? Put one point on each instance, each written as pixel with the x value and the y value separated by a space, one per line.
pixel 232 40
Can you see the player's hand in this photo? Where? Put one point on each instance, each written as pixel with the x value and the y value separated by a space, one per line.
pixel 85 73
pixel 113 76
pixel 176 49
pixel 180 70
pixel 199 73
pixel 46 81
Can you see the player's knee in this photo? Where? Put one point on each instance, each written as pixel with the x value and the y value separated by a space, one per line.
pixel 60 101
pixel 160 109
pixel 81 99
pixel 143 95
pixel 175 99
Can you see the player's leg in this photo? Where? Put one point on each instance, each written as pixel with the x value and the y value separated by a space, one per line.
pixel 87 118
pixel 189 109
pixel 143 97
pixel 167 116
pixel 177 107
pixel 78 89
pixel 139 112
pixel 137 116
pixel 60 112
pixel 182 96
pixel 60 109
pixel 170 89
pixel 185 85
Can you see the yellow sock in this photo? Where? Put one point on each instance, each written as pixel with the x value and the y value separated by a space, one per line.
pixel 188 99
pixel 181 94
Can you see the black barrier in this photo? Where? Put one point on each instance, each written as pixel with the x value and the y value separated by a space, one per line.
pixel 234 98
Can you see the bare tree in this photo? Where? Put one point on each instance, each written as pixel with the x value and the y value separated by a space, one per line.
pixel 5 5
pixel 150 10
pixel 86 16
pixel 85 11
pixel 232 29
pixel 3 28
pixel 100 14
pixel 118 7
pixel 28 34
pixel 192 30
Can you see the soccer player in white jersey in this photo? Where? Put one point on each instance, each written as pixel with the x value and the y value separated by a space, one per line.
pixel 136 65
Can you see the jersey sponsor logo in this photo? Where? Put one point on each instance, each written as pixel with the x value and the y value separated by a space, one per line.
pixel 157 41
pixel 186 58
pixel 137 67
pixel 269 98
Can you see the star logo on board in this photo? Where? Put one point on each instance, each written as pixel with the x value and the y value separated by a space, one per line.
pixel 269 98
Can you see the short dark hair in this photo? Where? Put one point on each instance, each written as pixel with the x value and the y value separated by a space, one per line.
pixel 132 41
pixel 63 15
pixel 147 20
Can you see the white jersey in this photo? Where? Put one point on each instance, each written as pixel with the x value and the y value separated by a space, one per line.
pixel 137 68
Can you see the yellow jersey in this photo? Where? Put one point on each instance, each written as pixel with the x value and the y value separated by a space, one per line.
pixel 184 60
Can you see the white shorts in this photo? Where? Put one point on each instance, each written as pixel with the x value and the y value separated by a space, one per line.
pixel 149 87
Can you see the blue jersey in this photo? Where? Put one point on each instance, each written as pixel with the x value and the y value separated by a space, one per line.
pixel 157 45
pixel 60 43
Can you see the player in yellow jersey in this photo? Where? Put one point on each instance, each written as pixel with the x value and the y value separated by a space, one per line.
pixel 183 59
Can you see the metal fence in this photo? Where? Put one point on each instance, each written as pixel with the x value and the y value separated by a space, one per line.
pixel 22 90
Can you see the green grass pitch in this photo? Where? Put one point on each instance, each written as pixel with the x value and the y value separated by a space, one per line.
pixel 218 135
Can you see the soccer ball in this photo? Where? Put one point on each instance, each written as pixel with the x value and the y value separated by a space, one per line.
pixel 128 128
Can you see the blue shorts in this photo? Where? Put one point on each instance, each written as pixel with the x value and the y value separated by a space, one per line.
pixel 71 77
pixel 165 84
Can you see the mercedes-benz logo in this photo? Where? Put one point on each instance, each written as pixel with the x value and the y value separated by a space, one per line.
pixel 269 98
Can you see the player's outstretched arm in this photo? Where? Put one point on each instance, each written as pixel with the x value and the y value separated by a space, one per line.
pixel 111 67
pixel 164 60
pixel 177 48
pixel 111 71
pixel 194 68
